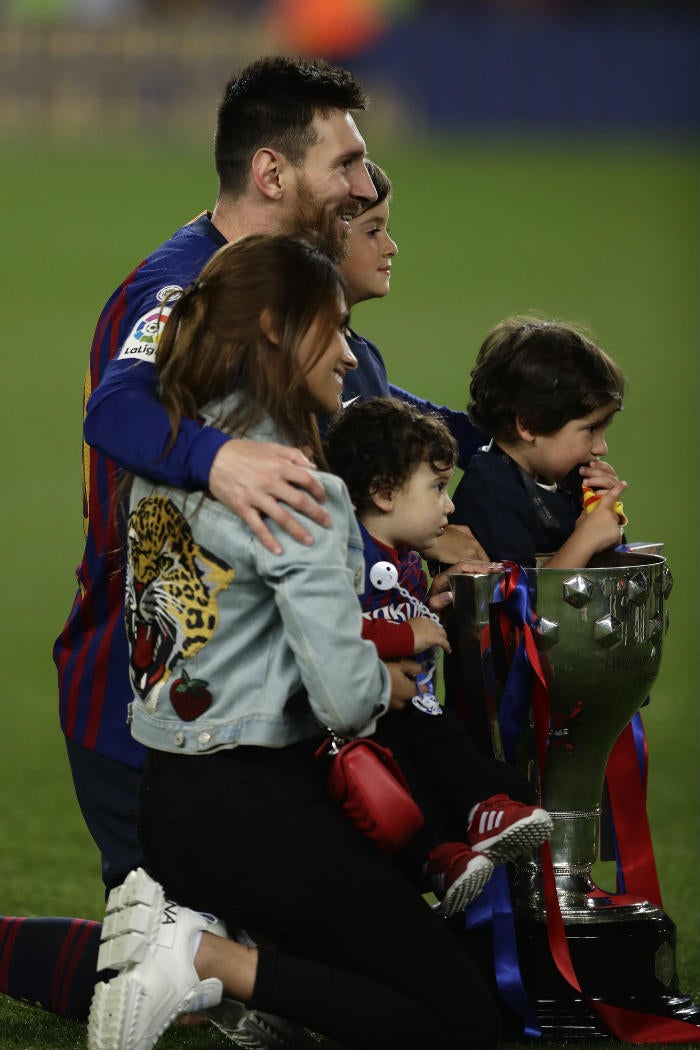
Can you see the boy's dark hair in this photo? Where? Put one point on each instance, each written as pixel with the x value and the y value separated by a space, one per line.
pixel 543 373
pixel 379 443
pixel 381 183
pixel 272 102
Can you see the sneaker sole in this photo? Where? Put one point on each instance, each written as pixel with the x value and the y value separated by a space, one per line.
pixel 526 834
pixel 112 1002
pixel 468 886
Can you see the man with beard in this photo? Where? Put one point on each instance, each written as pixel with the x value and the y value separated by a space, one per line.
pixel 289 158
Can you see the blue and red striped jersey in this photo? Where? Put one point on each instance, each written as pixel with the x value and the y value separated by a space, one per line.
pixel 91 650
pixel 385 611
pixel 127 429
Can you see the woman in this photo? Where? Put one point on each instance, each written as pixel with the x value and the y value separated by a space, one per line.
pixel 240 662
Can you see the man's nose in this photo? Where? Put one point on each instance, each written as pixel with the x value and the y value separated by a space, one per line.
pixel 362 188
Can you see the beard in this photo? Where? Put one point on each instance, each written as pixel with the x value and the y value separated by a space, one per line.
pixel 313 220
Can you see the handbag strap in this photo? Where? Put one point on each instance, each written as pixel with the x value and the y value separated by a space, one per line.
pixel 331 745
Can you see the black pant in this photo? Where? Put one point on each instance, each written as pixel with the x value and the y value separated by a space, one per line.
pixel 107 793
pixel 250 835
pixel 447 775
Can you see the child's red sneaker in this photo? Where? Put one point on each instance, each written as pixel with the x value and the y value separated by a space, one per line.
pixel 503 828
pixel 458 874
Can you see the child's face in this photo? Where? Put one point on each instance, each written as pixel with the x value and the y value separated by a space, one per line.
pixel 421 508
pixel 367 266
pixel 551 457
pixel 324 378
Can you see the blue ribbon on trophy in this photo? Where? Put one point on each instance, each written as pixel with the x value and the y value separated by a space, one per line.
pixel 493 907
pixel 493 910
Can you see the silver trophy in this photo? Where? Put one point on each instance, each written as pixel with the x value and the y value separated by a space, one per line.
pixel 599 634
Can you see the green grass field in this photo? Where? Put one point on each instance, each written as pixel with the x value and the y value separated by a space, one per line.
pixel 600 233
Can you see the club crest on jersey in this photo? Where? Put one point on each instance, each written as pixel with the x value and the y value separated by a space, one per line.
pixel 171 291
pixel 142 341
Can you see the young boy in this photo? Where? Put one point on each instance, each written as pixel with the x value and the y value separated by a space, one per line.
pixel 545 395
pixel 397 463
pixel 367 270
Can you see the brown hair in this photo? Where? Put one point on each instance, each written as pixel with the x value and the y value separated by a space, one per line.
pixel 217 339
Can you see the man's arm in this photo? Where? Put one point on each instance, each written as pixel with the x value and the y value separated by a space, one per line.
pixel 468 438
pixel 126 421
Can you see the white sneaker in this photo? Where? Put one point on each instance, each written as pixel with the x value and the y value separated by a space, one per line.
pixel 150 941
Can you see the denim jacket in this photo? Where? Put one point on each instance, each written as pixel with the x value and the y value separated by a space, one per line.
pixel 230 644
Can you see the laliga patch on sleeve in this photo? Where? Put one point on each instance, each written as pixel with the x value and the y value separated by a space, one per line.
pixel 142 340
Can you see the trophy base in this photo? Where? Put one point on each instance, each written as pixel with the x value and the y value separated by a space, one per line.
pixel 629 962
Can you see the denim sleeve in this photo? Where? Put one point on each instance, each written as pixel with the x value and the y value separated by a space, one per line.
pixel 348 686
pixel 125 420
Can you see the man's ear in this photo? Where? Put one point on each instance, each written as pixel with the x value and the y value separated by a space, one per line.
pixel 524 434
pixel 267 169
pixel 382 495
pixel 268 327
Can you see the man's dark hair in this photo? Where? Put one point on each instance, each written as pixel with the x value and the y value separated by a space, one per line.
pixel 378 444
pixel 273 102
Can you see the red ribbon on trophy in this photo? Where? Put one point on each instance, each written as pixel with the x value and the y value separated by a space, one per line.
pixel 637 874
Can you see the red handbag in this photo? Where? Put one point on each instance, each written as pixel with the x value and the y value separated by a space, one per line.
pixel 365 780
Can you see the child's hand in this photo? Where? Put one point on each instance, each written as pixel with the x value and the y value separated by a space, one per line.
pixel 600 528
pixel 440 595
pixel 403 681
pixel 457 543
pixel 600 478
pixel 598 474
pixel 427 633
